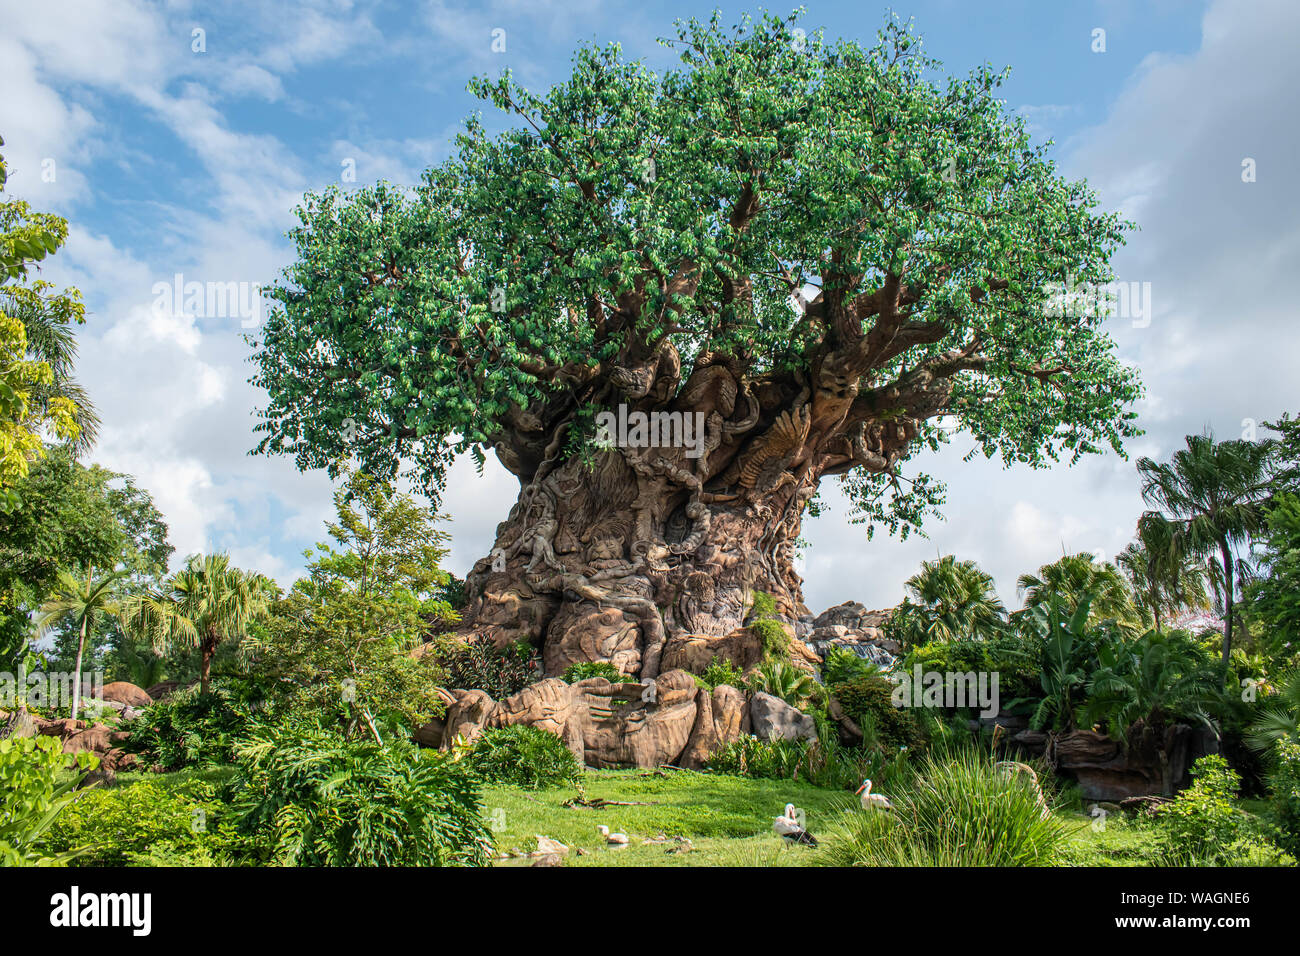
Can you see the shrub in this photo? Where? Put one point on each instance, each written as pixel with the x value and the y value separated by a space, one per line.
pixel 146 822
pixel 32 799
pixel 841 664
pixel 524 756
pixel 1203 819
pixel 479 665
pixel 1285 782
pixel 781 679
pixel 188 729
pixel 869 702
pixel 582 670
pixel 311 798
pixel 764 624
pixel 822 763
pixel 721 672
pixel 960 810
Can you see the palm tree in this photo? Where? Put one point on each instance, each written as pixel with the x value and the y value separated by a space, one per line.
pixel 1164 579
pixel 80 603
pixel 1077 576
pixel 1215 495
pixel 949 600
pixel 782 679
pixel 1153 679
pixel 1278 719
pixel 206 602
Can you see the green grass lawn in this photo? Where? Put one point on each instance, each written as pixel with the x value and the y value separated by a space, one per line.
pixel 727 819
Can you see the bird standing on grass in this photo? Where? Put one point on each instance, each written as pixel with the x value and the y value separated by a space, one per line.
pixel 873 801
pixel 788 827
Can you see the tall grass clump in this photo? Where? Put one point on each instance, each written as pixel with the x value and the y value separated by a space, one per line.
pixel 959 810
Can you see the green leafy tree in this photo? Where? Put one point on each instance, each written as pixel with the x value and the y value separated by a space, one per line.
pixel 948 600
pixel 1273 600
pixel 35 388
pixel 205 603
pixel 339 645
pixel 815 250
pixel 1215 495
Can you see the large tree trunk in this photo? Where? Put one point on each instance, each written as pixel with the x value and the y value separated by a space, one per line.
pixel 610 557
pixel 608 563
pixel 1229 592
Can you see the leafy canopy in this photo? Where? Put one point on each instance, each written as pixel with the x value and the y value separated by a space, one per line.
pixel 630 218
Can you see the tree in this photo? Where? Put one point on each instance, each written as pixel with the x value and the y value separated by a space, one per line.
pixel 339 645
pixel 205 603
pixel 948 600
pixel 1163 578
pixel 1074 577
pixel 36 391
pixel 795 259
pixel 1215 494
pixel 81 602
pixel 74 518
pixel 1273 600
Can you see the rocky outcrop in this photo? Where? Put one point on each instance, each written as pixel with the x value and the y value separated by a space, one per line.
pixel 695 652
pixel 774 719
pixel 636 725
pixel 850 626
pixel 585 634
pixel 466 716
pixel 163 690
pixel 126 693
pixel 1153 761
pixel 668 720
pixel 550 704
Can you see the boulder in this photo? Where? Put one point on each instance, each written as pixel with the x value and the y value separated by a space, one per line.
pixel 63 728
pixel 636 725
pixel 695 652
pixel 467 716
pixel 703 739
pixel 430 734
pixel 97 739
pixel 548 704
pixel 1154 761
pixel 774 719
pixel 126 693
pixel 163 690
pixel 730 714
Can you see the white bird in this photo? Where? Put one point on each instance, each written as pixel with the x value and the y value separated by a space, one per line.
pixel 619 839
pixel 873 801
pixel 787 827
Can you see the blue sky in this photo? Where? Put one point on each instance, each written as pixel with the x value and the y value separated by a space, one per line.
pixel 169 160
